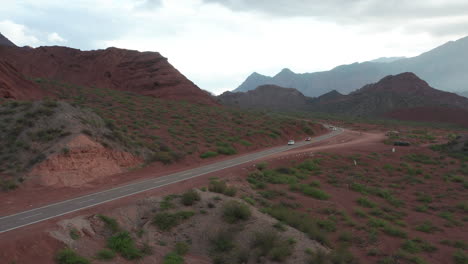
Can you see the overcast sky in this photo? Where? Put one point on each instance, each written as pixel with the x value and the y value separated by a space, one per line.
pixel 218 43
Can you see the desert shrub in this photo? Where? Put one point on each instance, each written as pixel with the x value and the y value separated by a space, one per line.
pixel 394 231
pixel 209 154
pixel 427 227
pixel 421 158
pixel 309 165
pixel 223 241
pixel 417 245
pixel 8 185
pixel 173 258
pixel 123 243
pixel 366 202
pixel 68 256
pixel 226 148
pixel 245 142
pixel 190 197
pixel 313 192
pixel 219 186
pixel 165 221
pixel 181 248
pixel 234 211
pixel 299 221
pixel 455 243
pixel 460 257
pixel 105 254
pixel 271 245
pixel 261 165
pixel 74 234
pixel 111 223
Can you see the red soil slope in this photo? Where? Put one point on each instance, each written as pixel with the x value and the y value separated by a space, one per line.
pixel 431 114
pixel 146 73
pixel 14 86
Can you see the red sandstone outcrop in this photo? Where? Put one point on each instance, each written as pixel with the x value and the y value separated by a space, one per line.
pixel 83 162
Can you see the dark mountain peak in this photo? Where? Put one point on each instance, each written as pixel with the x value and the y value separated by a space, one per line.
pixel 6 42
pixel 278 90
pixel 406 82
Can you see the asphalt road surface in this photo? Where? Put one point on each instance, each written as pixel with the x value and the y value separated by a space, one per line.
pixel 36 215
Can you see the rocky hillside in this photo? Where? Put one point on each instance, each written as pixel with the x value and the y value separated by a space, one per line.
pixel 267 97
pixel 402 91
pixel 5 42
pixel 92 133
pixel 444 67
pixel 58 144
pixel 146 73
pixel 13 85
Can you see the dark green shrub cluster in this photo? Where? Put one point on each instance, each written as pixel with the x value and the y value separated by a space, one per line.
pixel 427 227
pixel 311 191
pixel 166 221
pixel 220 186
pixel 299 221
pixel 68 256
pixel 366 202
pixel 269 244
pixel 383 193
pixel 173 258
pixel 190 197
pixel 123 243
pixel 105 254
pixel 226 148
pixel 209 154
pixel 111 223
pixel 417 245
pixel 234 211
pixel 421 158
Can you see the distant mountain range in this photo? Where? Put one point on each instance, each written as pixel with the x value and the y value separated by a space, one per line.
pixel 444 67
pixel 404 96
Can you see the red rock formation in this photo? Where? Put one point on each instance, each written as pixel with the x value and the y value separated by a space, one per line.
pixel 14 86
pixel 85 161
pixel 146 73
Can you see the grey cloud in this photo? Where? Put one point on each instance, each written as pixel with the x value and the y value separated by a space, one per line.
pixel 349 8
pixel 374 13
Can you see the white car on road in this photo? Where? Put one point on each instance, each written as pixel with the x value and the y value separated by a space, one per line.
pixel 291 142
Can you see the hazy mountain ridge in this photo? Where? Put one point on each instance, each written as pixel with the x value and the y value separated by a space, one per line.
pixel 444 67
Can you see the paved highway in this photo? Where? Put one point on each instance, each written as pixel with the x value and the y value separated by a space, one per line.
pixel 36 215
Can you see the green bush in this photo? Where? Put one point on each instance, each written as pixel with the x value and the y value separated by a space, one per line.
pixel 427 227
pixel 234 211
pixel 111 223
pixel 173 258
pixel 68 256
pixel 270 244
pixel 366 202
pixel 190 197
pixel 394 231
pixel 209 154
pixel 460 257
pixel 165 221
pixel 181 248
pixel 226 148
pixel 123 243
pixel 223 241
pixel 313 192
pixel 105 254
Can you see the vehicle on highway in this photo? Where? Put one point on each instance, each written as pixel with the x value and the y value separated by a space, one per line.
pixel 291 142
pixel 308 139
pixel 334 128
